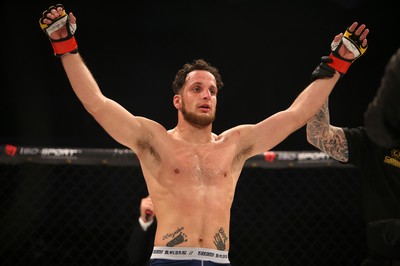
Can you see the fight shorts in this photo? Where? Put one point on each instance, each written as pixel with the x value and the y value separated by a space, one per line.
pixel 188 256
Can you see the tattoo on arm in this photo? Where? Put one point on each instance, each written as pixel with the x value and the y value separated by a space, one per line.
pixel 220 239
pixel 327 138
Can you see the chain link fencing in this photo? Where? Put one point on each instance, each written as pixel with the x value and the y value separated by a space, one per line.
pixel 62 206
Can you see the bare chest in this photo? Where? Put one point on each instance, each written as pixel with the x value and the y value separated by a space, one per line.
pixel 203 166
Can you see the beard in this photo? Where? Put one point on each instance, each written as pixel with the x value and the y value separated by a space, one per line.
pixel 195 119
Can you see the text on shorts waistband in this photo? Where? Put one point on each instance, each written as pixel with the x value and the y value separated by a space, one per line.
pixel 190 253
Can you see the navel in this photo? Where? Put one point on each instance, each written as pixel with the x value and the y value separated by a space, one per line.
pixel 176 171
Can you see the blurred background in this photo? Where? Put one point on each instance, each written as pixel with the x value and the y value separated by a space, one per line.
pixel 265 50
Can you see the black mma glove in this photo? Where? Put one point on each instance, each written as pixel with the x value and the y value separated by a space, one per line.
pixel 65 45
pixel 323 70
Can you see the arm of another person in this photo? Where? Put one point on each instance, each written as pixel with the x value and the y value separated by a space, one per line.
pixel 141 240
pixel 141 243
pixel 327 138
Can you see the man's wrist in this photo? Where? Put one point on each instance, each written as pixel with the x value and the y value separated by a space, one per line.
pixel 68 46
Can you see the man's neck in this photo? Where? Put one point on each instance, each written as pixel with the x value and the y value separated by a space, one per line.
pixel 193 134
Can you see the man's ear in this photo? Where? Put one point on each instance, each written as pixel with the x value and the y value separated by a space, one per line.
pixel 177 101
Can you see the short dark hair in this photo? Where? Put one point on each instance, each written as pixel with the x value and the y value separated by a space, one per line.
pixel 197 64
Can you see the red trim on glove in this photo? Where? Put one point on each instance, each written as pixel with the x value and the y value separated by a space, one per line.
pixel 339 64
pixel 65 47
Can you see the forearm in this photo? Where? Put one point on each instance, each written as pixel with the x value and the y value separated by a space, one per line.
pixel 120 124
pixel 318 126
pixel 326 137
pixel 312 98
pixel 82 82
pixel 293 118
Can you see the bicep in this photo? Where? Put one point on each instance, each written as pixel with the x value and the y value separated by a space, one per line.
pixel 268 133
pixel 120 124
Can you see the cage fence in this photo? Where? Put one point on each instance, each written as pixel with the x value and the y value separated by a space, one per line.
pixel 74 206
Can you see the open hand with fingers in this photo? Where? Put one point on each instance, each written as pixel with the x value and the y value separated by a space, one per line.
pixel 60 28
pixel 345 49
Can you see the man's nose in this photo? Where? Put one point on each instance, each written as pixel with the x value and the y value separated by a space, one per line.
pixel 206 94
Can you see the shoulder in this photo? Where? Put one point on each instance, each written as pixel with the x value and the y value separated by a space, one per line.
pixel 150 123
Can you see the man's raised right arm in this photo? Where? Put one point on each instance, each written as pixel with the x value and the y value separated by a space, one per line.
pixel 60 28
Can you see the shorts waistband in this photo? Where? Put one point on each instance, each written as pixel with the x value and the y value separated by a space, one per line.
pixel 190 253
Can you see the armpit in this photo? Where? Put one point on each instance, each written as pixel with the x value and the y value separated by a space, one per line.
pixel 145 147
